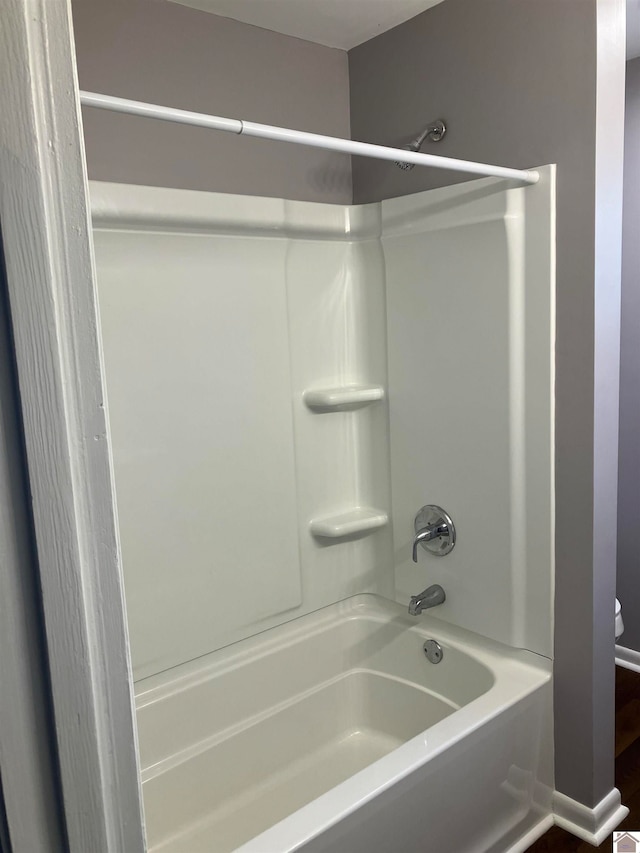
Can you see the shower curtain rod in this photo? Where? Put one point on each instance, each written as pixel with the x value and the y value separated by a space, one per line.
pixel 299 137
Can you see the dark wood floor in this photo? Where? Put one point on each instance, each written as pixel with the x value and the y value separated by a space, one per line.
pixel 627 770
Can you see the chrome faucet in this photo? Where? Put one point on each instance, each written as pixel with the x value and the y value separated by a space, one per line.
pixel 426 534
pixel 432 596
pixel 436 533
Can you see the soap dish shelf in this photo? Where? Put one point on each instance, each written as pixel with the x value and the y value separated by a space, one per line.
pixel 350 523
pixel 342 397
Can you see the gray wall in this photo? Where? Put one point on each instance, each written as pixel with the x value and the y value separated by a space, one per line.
pixel 160 52
pixel 629 468
pixel 516 83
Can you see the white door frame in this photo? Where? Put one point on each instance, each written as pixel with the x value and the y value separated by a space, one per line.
pixel 28 764
pixel 51 285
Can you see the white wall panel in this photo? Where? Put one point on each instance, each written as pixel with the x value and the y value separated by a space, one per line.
pixel 219 313
pixel 197 360
pixel 470 347
pixel 337 308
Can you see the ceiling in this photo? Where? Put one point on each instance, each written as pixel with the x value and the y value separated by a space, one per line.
pixel 347 23
pixel 335 23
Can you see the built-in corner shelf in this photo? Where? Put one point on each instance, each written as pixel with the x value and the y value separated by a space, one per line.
pixel 342 397
pixel 358 520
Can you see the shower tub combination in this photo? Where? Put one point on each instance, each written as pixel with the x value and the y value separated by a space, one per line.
pixel 284 697
pixel 336 733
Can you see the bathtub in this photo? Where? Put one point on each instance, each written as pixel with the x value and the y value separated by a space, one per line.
pixel 336 733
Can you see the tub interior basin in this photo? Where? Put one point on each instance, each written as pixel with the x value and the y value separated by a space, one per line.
pixel 245 779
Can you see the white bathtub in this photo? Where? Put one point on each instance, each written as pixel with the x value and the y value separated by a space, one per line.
pixel 335 733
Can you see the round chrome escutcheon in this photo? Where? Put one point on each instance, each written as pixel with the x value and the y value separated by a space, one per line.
pixel 432 515
pixel 433 651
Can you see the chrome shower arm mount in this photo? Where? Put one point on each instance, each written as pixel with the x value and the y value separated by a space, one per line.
pixel 434 131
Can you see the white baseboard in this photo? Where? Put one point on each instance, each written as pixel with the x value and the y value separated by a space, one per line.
pixel 628 658
pixel 592 825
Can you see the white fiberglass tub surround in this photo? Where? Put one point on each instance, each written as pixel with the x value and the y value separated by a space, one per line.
pixel 338 730
pixel 323 371
pixel 288 384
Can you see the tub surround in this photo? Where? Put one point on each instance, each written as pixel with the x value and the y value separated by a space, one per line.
pixel 288 384
pixel 279 298
pixel 272 462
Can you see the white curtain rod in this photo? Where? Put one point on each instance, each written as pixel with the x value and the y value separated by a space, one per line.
pixel 316 140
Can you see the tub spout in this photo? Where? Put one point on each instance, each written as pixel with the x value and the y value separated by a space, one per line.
pixel 430 597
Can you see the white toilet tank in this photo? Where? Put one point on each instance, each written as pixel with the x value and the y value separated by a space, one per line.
pixel 619 622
